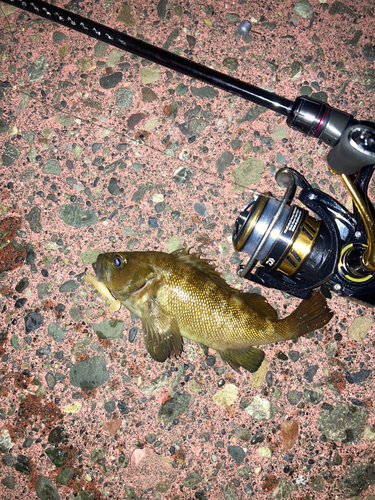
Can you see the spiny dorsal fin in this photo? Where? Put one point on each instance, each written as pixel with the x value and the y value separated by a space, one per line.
pixel 195 261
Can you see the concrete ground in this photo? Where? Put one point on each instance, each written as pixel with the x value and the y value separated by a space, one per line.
pixel 103 151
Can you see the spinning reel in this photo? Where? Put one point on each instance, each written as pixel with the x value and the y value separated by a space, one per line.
pixel 334 251
pixel 296 252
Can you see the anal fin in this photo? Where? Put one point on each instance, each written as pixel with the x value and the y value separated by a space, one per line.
pixel 161 333
pixel 250 358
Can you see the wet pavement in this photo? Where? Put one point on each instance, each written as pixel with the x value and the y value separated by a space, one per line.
pixel 104 151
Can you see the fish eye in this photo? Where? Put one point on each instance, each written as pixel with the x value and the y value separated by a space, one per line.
pixel 119 261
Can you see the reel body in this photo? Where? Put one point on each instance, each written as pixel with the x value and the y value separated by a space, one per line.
pixel 296 252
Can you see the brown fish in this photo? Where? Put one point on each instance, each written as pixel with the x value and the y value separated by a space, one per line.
pixel 181 295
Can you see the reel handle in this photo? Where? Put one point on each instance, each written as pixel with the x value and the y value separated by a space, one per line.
pixel 354 150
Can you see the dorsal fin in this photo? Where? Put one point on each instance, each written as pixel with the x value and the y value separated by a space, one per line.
pixel 195 261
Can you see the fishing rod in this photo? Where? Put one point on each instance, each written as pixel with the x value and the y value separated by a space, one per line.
pixel 304 114
pixel 294 252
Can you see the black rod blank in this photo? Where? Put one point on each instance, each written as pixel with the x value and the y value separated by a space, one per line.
pixel 174 62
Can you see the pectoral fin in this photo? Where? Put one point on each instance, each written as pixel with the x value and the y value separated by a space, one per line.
pixel 250 358
pixel 161 333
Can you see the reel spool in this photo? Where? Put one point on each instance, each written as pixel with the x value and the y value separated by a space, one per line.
pixel 296 252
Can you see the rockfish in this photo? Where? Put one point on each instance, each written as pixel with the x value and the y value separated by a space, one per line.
pixel 181 295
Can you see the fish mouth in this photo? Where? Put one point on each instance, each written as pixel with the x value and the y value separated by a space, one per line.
pixel 136 290
pixel 101 269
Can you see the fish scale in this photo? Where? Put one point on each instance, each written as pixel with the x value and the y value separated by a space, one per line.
pixel 182 295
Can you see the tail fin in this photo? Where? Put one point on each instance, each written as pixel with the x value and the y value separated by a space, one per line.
pixel 310 315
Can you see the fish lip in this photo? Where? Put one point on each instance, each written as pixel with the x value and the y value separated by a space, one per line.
pixel 137 289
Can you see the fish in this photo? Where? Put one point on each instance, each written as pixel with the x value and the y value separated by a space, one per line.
pixel 180 295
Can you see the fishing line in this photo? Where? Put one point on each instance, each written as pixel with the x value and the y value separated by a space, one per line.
pixel 130 141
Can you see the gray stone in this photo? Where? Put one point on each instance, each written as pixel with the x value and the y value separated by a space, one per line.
pixel 125 15
pixel 181 89
pixel 3 126
pixel 230 63
pixel 75 313
pixel 112 329
pixel 69 286
pixel 6 442
pixel 110 406
pixel 200 209
pixel 118 164
pixel 204 92
pixel 33 218
pixel 148 95
pixel 64 476
pixel 244 27
pixel 341 9
pixel 192 479
pixel 45 490
pixel 182 175
pixel 63 119
pixel 26 175
pixel 174 407
pixel 161 8
pixel 10 154
pixel 98 455
pixel 52 168
pixel 296 70
pixel 236 144
pixel 9 482
pixel 367 78
pixel 76 216
pixel 57 435
pixel 237 453
pixel 253 113
pixel 33 321
pixel 283 488
pixel 150 74
pixel 22 464
pixel 261 409
pixel 317 483
pixel 58 36
pixel 113 187
pixel 368 52
pixel 247 173
pixel 110 81
pixel 359 478
pixel 89 374
pixel 129 491
pixel 243 434
pixel 192 127
pixel 343 423
pixel 171 38
pixel 232 18
pixel 319 96
pixel 37 69
pixel 191 41
pixel 294 397
pixel 310 372
pixel 313 397
pixel 357 377
pixel 162 380
pixel 223 162
pixel 51 380
pixel 123 98
pixel 56 332
pixel 56 455
pixel 304 9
